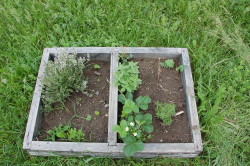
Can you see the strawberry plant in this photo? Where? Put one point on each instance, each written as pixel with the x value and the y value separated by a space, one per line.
pixel 134 127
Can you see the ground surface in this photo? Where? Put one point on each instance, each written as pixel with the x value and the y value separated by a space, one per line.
pixel 164 85
pixel 216 34
pixel 79 106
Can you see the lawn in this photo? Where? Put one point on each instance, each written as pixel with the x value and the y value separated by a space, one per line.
pixel 216 32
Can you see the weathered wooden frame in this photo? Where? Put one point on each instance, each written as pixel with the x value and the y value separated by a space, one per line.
pixel 112 148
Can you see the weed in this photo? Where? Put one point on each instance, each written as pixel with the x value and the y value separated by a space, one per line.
pixel 181 68
pixel 97 113
pixel 165 111
pixel 65 133
pixel 96 66
pixel 88 118
pixel 168 63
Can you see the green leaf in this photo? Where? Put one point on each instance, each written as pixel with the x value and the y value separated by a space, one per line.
pixel 148 128
pixel 148 118
pixel 116 128
pixel 61 135
pixel 97 113
pixel 132 146
pixel 129 95
pixel 121 98
pixel 140 119
pixel 121 129
pixel 143 102
pixel 130 106
pixel 129 140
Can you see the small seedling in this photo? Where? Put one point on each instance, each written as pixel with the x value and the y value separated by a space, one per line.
pixel 167 63
pixel 96 66
pixel 97 113
pixel 88 118
pixel 65 132
pixel 181 68
pixel 98 80
pixel 165 111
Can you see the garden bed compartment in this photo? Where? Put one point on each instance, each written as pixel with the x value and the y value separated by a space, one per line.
pixel 190 147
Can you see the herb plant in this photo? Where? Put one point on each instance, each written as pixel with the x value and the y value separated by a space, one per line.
pixel 66 133
pixel 165 111
pixel 167 63
pixel 127 77
pixel 63 76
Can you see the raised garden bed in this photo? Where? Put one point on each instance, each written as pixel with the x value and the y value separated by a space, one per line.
pixel 180 139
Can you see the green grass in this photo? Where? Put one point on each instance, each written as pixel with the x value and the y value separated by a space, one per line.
pixel 215 32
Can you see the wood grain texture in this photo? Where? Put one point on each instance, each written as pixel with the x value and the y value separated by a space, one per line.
pixel 113 155
pixel 190 100
pixel 33 115
pixel 113 100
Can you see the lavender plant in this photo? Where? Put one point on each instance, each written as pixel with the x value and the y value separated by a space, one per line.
pixel 64 75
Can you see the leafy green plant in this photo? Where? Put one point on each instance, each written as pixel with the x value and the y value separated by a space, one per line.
pixel 96 66
pixel 64 75
pixel 167 63
pixel 181 68
pixel 165 111
pixel 134 126
pixel 65 132
pixel 127 77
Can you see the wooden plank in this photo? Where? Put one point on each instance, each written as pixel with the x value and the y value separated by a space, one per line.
pixel 89 50
pixel 113 100
pixel 151 50
pixel 113 155
pixel 160 148
pixel 32 120
pixel 69 147
pixel 190 100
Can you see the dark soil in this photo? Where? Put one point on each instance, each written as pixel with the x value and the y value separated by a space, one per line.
pixel 96 130
pixel 164 85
